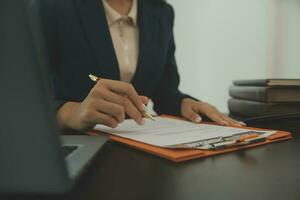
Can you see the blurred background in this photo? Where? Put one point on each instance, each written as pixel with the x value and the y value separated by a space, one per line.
pixel 222 40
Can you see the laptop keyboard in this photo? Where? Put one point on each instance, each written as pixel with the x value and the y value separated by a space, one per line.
pixel 68 149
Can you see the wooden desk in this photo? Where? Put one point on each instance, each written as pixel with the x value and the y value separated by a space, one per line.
pixel 262 173
pixel 268 172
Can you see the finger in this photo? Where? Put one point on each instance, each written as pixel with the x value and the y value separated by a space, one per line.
pixel 232 121
pixel 128 106
pixel 213 114
pixel 124 89
pixel 101 118
pixel 133 112
pixel 217 118
pixel 144 99
pixel 111 109
pixel 191 115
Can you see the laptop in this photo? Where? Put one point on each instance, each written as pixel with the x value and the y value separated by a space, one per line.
pixel 34 157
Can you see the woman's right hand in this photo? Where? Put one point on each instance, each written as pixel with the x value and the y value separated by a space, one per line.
pixel 107 103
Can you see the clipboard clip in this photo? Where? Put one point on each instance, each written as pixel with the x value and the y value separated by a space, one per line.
pixel 237 143
pixel 240 139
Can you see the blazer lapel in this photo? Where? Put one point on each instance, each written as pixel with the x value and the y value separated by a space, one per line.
pixel 92 15
pixel 147 32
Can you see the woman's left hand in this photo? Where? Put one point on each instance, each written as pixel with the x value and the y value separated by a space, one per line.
pixel 192 110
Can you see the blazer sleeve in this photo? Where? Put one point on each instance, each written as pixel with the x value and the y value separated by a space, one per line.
pixel 167 98
pixel 47 12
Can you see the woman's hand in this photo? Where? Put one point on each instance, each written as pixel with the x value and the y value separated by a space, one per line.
pixel 107 103
pixel 192 110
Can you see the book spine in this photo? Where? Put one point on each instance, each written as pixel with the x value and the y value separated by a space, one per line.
pixel 249 93
pixel 246 108
pixel 255 82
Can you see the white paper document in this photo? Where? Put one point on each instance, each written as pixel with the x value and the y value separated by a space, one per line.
pixel 166 131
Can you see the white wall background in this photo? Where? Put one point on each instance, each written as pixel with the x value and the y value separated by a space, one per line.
pixel 222 40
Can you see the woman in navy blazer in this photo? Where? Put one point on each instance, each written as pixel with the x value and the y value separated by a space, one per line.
pixel 79 43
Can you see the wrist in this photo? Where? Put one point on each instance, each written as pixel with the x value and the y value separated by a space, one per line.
pixel 66 115
pixel 187 101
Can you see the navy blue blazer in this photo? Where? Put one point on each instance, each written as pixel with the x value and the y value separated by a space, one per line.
pixel 79 44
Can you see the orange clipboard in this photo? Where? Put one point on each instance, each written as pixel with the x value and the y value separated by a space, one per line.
pixel 180 155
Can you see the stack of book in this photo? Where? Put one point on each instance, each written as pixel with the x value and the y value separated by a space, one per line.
pixel 252 98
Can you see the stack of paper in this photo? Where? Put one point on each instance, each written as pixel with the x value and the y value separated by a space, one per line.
pixel 166 132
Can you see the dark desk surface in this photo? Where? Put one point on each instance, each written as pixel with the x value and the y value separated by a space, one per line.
pixel 119 172
pixel 268 172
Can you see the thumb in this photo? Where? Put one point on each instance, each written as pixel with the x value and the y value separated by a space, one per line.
pixel 191 115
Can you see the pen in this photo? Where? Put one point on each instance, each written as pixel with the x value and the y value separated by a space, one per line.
pixel 243 140
pixel 222 145
pixel 144 113
pixel 247 137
